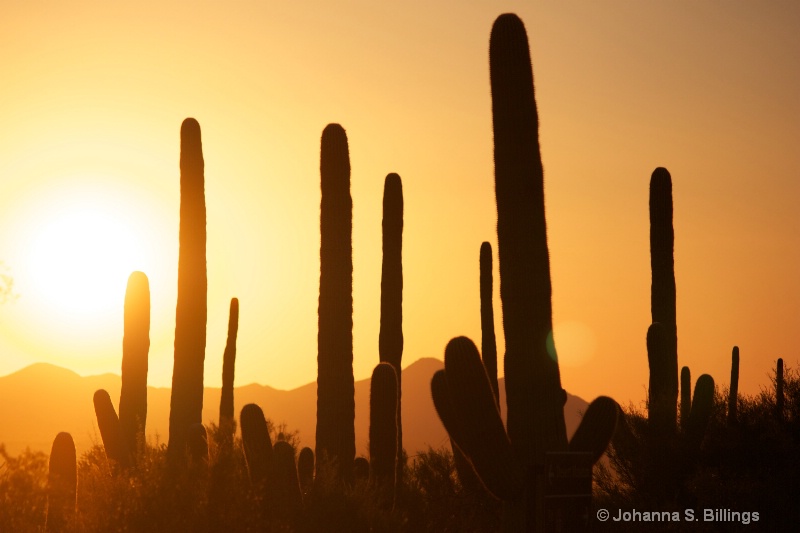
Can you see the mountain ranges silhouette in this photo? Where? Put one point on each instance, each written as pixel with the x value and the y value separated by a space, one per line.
pixel 42 399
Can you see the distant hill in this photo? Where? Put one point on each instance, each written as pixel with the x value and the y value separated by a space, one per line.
pixel 40 400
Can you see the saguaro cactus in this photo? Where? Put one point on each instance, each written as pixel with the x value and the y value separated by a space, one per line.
pixel 733 394
pixel 779 400
pixel 135 348
pixel 191 312
pixel 285 495
pixel 335 434
pixel 62 483
pixel 390 339
pixel 686 396
pixel 662 402
pixel 305 469
pixel 488 340
pixel 663 367
pixel 110 431
pixel 535 399
pixel 383 428
pixel 228 363
pixel 256 443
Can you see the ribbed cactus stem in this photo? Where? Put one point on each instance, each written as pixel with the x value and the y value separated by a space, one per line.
pixel 335 432
pixel 383 428
pixel 186 404
pixel 662 398
pixel 135 349
pixel 390 337
pixel 488 339
pixel 481 435
pixel 686 397
pixel 733 394
pixel 664 380
pixel 256 443
pixel 62 483
pixel 533 383
pixel 226 424
pixel 109 426
pixel 596 428
pixel 779 400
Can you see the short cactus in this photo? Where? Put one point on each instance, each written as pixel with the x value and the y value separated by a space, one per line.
pixel 733 394
pixel 779 397
pixel 256 443
pixel 305 469
pixel 686 396
pixel 284 494
pixel 62 483
pixel 109 425
pixel 383 427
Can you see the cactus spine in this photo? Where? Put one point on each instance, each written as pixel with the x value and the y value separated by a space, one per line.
pixel 390 339
pixel 488 340
pixel 226 424
pixel 110 431
pixel 533 382
pixel 335 432
pixel 383 429
pixel 62 483
pixel 733 395
pixel 135 348
pixel 186 404
pixel 664 366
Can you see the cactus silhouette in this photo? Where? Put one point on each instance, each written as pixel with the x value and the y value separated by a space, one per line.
pixel 702 407
pixel 533 383
pixel 390 337
pixel 226 424
pixel 664 364
pixel 135 348
pixel 383 416
pixel 686 396
pixel 186 404
pixel 465 402
pixel 335 433
pixel 360 469
pixel 733 394
pixel 779 399
pixel 488 340
pixel 110 431
pixel 305 469
pixel 62 483
pixel 285 496
pixel 256 443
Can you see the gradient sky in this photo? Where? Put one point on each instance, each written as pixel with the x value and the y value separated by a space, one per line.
pixel 92 98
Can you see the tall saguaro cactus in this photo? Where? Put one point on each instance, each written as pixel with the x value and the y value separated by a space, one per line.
pixel 135 348
pixel 191 312
pixel 335 437
pixel 62 483
pixel 663 368
pixel 390 339
pixel 488 340
pixel 535 399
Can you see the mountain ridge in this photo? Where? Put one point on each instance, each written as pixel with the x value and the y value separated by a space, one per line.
pixel 42 399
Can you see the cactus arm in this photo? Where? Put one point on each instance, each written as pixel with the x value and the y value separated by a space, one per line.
pixel 596 428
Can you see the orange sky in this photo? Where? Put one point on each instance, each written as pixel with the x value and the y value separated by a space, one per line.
pixel 92 98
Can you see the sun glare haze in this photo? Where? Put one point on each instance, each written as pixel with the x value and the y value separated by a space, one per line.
pixel 94 94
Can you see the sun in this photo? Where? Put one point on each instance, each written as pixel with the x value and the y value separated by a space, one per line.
pixel 80 257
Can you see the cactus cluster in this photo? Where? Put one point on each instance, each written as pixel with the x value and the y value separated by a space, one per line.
pixel 510 461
